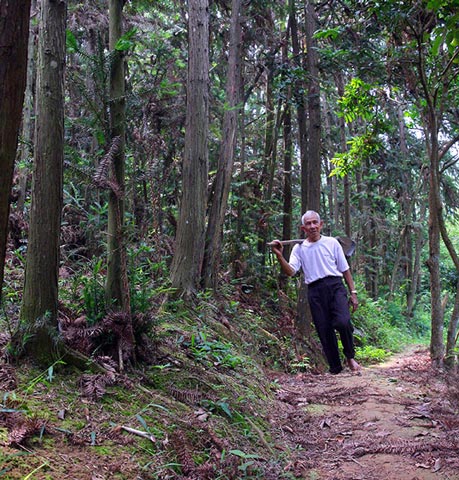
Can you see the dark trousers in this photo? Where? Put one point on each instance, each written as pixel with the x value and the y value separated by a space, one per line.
pixel 330 311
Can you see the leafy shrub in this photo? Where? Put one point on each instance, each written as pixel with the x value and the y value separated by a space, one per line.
pixel 370 354
pixel 380 324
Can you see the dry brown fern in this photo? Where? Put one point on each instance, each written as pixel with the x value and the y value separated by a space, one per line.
pixel 7 378
pixel 120 325
pixel 94 386
pixel 184 452
pixel 77 334
pixel 185 396
pixel 104 178
pixel 398 447
pixel 22 431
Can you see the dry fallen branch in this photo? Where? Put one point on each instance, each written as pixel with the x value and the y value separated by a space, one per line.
pixel 134 431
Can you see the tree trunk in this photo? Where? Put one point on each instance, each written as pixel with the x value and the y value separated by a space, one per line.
pixel 189 249
pixel 116 288
pixel 303 317
pixel 14 34
pixel 26 150
pixel 239 266
pixel 433 263
pixel 315 126
pixel 40 299
pixel 408 203
pixel 268 160
pixel 287 178
pixel 219 197
pixel 416 271
pixel 287 188
pixel 451 337
pixel 299 88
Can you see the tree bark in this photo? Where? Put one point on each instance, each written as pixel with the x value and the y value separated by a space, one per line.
pixel 26 150
pixel 219 197
pixel 116 288
pixel 287 175
pixel 416 273
pixel 303 318
pixel 433 263
pixel 40 299
pixel 14 34
pixel 187 261
pixel 269 161
pixel 315 126
pixel 299 88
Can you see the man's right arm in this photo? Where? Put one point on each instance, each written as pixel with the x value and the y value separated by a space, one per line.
pixel 285 266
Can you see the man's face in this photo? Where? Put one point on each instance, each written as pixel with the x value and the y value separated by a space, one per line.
pixel 312 227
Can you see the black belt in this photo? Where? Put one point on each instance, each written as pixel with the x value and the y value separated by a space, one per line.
pixel 316 283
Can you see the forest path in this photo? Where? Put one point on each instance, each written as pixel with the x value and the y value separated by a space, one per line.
pixel 393 421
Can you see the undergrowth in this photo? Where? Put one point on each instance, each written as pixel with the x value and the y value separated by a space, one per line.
pixel 193 405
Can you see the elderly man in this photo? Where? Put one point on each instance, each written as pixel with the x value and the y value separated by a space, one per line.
pixel 324 265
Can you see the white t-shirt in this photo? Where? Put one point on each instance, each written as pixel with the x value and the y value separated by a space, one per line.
pixel 319 259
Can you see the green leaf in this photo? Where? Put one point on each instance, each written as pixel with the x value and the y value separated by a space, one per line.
pixel 71 42
pixel 142 422
pixel 125 42
pixel 436 44
pixel 225 407
pixel 241 454
pixel 434 4
pixel 332 33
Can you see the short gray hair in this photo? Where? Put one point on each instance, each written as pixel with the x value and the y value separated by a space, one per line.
pixel 307 214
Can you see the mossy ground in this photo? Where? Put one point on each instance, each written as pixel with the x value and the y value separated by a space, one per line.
pixel 196 409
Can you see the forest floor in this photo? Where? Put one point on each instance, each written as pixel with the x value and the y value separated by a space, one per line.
pixel 391 421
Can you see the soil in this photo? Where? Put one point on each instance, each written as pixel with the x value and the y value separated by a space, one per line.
pixel 395 420
pixel 398 420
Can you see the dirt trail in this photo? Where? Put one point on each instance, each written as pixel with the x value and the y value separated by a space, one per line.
pixel 392 421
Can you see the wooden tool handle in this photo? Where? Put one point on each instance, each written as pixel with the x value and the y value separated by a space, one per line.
pixel 287 242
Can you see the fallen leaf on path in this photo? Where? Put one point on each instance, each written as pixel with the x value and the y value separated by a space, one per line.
pixel 325 423
pixel 369 424
pixel 437 465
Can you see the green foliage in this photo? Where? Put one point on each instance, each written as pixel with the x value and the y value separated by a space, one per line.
pixel 212 352
pixel 359 101
pixel 93 293
pixel 380 325
pixel 143 273
pixel 369 354
pixel 72 45
pixel 360 148
pixel 302 365
pixel 332 33
pixel 45 377
pixel 248 460
pixel 446 31
pixel 125 42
